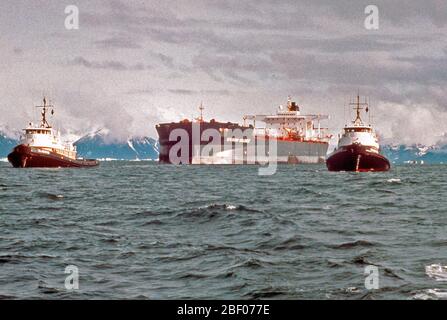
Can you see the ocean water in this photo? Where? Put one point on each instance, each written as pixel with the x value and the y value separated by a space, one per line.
pixel 140 230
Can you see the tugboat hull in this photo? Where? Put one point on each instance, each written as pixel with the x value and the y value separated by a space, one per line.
pixel 30 157
pixel 357 158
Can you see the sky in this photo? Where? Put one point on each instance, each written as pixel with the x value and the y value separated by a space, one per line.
pixel 132 64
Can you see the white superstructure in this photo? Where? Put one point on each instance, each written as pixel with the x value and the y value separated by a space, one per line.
pixel 289 136
pixel 290 124
pixel 359 133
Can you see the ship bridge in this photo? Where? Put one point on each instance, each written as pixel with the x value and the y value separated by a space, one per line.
pixel 289 124
pixel 290 114
pixel 32 130
pixel 360 128
pixel 282 117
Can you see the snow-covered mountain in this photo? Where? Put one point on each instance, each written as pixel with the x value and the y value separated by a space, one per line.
pixel 415 153
pixel 99 146
pixel 6 145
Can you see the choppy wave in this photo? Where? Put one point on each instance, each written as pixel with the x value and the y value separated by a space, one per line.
pixel 437 272
pixel 292 243
pixel 51 196
pixel 394 180
pixel 213 211
pixel 228 207
pixel 153 231
pixel 353 244
pixel 430 294
pixel 269 292
pixel 362 260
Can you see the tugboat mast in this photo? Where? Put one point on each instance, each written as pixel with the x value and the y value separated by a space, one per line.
pixel 43 122
pixel 357 107
pixel 201 108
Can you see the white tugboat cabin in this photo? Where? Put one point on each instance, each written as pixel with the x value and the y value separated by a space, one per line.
pixel 359 132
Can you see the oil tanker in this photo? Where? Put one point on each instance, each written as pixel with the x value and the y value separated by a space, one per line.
pixel 285 137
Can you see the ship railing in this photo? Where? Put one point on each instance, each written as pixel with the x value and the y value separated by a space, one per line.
pixel 259 131
pixel 65 152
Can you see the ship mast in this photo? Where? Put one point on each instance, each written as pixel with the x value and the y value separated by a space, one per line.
pixel 357 107
pixel 201 108
pixel 45 107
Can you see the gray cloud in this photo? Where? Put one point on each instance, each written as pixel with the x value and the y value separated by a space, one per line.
pixel 117 43
pixel 200 92
pixel 236 67
pixel 246 55
pixel 166 60
pixel 18 51
pixel 182 91
pixel 96 114
pixel 108 65
pixel 141 91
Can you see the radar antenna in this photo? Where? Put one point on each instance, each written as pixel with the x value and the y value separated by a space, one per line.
pixel 45 107
pixel 357 107
pixel 201 108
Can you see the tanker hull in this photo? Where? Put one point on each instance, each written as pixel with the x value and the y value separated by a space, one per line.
pixel 242 148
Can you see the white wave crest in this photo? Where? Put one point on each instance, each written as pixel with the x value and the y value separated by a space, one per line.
pixel 437 272
pixel 394 180
pixel 430 294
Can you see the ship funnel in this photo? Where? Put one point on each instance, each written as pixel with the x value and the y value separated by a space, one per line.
pixel 292 106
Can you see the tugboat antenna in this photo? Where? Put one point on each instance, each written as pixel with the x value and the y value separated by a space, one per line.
pixel 201 108
pixel 43 122
pixel 357 107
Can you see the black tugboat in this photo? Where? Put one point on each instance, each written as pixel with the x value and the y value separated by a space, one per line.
pixel 41 146
pixel 358 147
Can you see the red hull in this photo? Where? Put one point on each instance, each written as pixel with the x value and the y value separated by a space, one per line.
pixel 26 157
pixel 356 158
